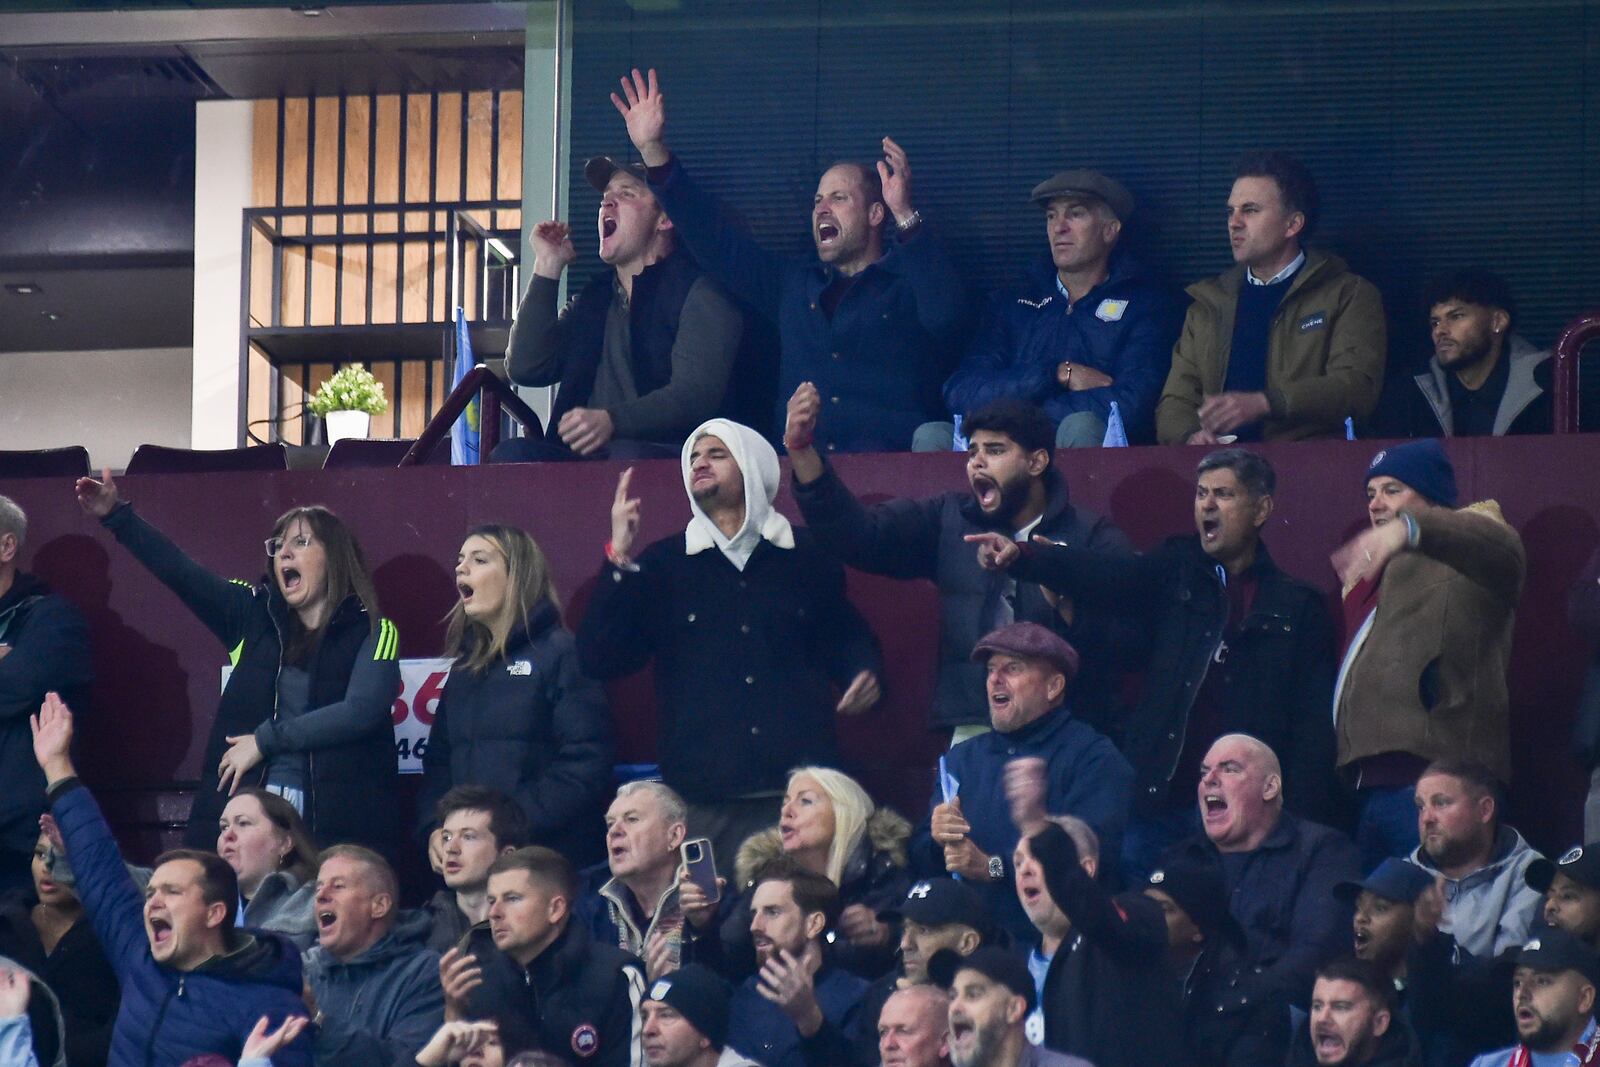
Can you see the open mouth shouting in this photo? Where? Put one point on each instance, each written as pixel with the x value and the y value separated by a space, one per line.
pixel 290 580
pixel 827 232
pixel 1330 1045
pixel 1210 529
pixel 987 491
pixel 1363 939
pixel 608 225
pixel 1213 807
pixel 963 1034
pixel 464 588
pixel 160 931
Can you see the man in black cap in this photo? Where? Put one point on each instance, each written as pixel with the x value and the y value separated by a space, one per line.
pixel 1228 1019
pixel 1571 886
pixel 685 1019
pixel 1090 327
pixel 1553 997
pixel 991 997
pixel 1430 597
pixel 970 830
pixel 643 354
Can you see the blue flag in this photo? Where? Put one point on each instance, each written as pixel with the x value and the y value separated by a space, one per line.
pixel 1116 434
pixel 464 434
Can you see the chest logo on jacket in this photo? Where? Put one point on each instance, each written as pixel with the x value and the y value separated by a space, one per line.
pixel 519 668
pixel 586 1040
pixel 1313 322
pixel 1111 310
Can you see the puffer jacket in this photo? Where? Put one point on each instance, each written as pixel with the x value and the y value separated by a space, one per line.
pixel 1325 353
pixel 1525 406
pixel 875 876
pixel 381 1007
pixel 1123 327
pixel 169 1016
pixel 1427 674
pixel 1490 910
pixel 534 726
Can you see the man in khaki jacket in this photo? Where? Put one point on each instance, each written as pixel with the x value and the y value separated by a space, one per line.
pixel 1430 597
pixel 1288 343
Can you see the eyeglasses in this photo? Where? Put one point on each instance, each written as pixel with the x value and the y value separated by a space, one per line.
pixel 299 543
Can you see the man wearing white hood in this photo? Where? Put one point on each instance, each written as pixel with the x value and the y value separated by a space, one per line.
pixel 755 645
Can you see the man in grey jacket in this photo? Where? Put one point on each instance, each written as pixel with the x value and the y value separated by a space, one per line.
pixel 372 978
pixel 1488 901
pixel 1483 379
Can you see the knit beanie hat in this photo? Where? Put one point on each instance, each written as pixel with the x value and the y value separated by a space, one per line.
pixel 701 996
pixel 1422 465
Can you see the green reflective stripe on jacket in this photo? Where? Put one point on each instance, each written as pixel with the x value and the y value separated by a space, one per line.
pixel 388 641
pixel 235 652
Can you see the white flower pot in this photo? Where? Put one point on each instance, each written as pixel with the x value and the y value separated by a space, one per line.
pixel 342 424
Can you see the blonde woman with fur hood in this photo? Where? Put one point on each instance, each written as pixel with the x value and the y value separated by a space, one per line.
pixel 830 825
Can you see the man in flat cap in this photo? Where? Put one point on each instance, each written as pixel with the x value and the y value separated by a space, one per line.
pixel 643 354
pixel 1289 342
pixel 1090 326
pixel 970 831
pixel 1553 998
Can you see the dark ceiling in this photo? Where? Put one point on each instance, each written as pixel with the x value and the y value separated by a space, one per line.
pixel 97 153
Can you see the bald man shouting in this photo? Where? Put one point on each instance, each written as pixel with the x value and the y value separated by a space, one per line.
pixel 1280 869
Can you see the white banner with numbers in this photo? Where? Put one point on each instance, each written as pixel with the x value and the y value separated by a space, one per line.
pixel 421 686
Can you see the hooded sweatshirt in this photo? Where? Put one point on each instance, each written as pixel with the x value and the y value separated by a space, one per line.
pixel 1489 910
pixel 758 463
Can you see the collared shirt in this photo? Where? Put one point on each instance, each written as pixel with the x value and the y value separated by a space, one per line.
pixel 1294 265
pixel 1038 967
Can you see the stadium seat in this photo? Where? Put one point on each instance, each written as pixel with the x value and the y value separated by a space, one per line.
pixel 69 462
pixel 159 459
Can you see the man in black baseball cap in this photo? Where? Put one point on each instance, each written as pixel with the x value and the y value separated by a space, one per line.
pixel 1571 886
pixel 1090 327
pixel 644 352
pixel 937 913
pixel 991 995
pixel 1553 996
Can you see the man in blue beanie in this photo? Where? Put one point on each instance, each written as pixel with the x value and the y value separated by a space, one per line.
pixel 1430 595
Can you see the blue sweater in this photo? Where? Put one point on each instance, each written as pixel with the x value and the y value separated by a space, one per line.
pixel 169 1016
pixel 878 360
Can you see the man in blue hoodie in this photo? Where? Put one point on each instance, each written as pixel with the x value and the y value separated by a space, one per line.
pixel 1089 327
pixel 191 983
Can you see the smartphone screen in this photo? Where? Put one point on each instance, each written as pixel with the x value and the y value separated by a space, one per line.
pixel 701 865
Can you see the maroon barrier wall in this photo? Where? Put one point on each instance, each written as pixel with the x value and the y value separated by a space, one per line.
pixel 159 669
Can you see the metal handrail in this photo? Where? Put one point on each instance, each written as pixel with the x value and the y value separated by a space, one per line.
pixel 1569 346
pixel 495 393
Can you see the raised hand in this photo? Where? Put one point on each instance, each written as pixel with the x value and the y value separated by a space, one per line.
pixel 947 824
pixel 1025 792
pixel 800 424
pixel 860 926
pixel 644 109
pixel 624 518
pixel 261 1045
pixel 699 911
pixel 52 738
pixel 553 251
pixel 894 172
pixel 864 692
pixel 996 551
pixel 1366 554
pixel 98 498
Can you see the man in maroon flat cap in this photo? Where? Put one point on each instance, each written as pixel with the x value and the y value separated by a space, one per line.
pixel 969 832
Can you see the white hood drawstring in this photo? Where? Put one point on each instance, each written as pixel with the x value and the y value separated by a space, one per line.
pixel 758 463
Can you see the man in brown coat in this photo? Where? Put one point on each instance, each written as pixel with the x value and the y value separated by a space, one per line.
pixel 1285 345
pixel 1430 596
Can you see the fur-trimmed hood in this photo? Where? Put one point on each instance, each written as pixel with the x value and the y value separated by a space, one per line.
pixel 887 835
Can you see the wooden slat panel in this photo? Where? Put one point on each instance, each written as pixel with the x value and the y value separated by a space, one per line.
pixel 508 180
pixel 264 154
pixel 386 179
pixel 261 252
pixel 296 129
pixel 414 261
pixel 293 309
pixel 480 140
pixel 290 397
pixel 383 425
pixel 259 390
pixel 447 184
pixel 419 168
pixel 414 413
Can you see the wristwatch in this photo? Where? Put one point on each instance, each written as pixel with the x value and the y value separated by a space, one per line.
pixel 997 869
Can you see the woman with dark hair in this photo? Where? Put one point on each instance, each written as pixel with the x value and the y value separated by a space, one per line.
pixel 47 932
pixel 517 713
pixel 306 710
pixel 265 842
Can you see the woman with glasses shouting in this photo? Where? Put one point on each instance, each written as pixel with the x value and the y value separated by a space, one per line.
pixel 306 710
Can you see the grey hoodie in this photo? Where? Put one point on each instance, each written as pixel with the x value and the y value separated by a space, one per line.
pixel 381 1007
pixel 16 1034
pixel 1521 388
pixel 1490 909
